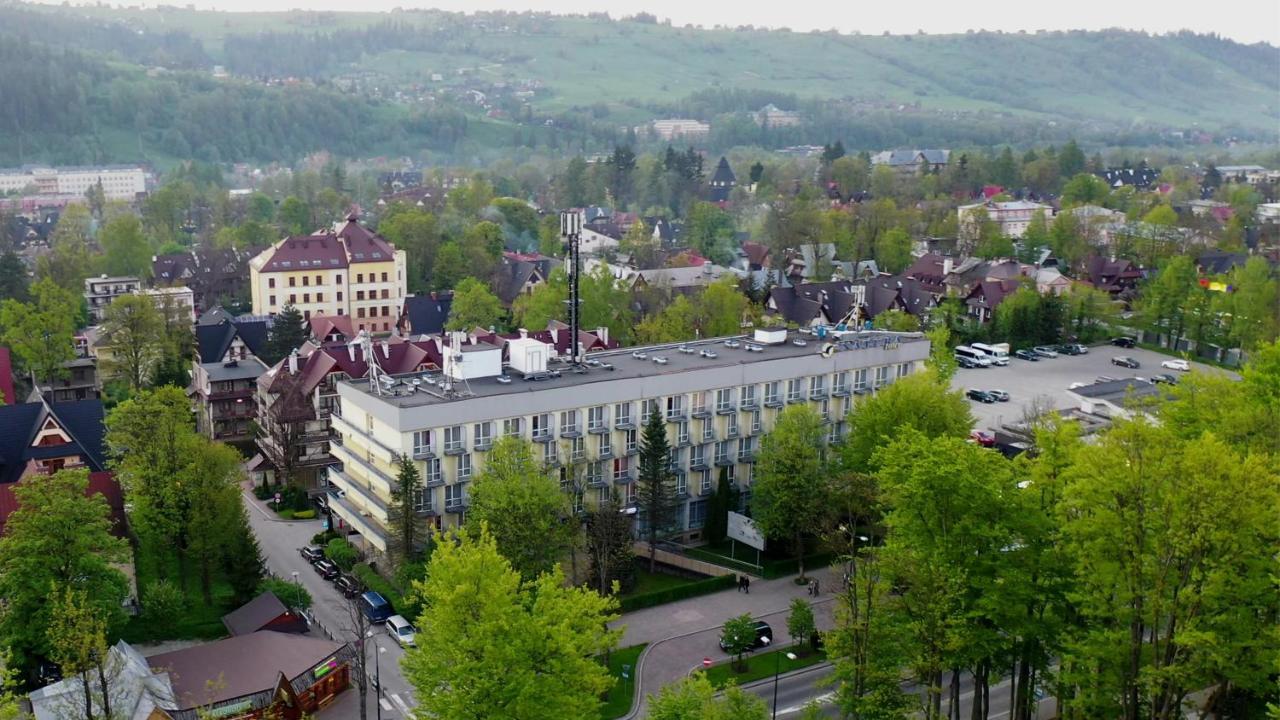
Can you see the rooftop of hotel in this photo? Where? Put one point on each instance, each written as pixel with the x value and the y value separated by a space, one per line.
pixel 417 389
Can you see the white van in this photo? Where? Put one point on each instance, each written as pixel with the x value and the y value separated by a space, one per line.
pixel 998 354
pixel 977 357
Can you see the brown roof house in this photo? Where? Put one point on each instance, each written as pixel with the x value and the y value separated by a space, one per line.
pixel 264 612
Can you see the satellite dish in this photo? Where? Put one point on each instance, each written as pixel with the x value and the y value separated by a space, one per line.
pixel 828 350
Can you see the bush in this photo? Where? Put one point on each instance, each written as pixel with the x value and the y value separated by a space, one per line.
pixel 304 515
pixel 162 602
pixel 680 592
pixel 262 492
pixel 293 595
pixel 403 604
pixel 323 538
pixel 285 514
pixel 295 498
pixel 342 553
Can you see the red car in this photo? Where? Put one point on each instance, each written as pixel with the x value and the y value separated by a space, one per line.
pixel 983 437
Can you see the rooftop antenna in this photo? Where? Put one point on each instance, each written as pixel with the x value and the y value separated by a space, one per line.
pixel 571 230
pixel 374 372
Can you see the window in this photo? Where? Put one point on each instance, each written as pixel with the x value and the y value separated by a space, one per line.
pixel 673 459
pixel 434 475
pixel 422 443
pixel 705 482
pixel 795 390
pixel 566 480
pixel 747 396
pixel 306 297
pixel 731 427
pixel 511 427
pixel 697 457
pixel 771 393
pixel 622 411
pixel 453 439
pixel 569 422
pixel 631 494
pixel 837 429
pixel 621 469
pixel 541 426
pixel 578 450
pixel 339 280
pixel 746 448
pixel 271 300
pixel 708 429
pixel 841 384
pixel 359 295
pixel 631 441
pixel 682 433
pixel 339 296
pixel 385 293
pixel 817 386
pixel 319 281
pixel 360 314
pixel 359 277
pixel 682 484
pixel 755 422
pixel 596 419
pixel 697 514
pixel 483 435
pixel 271 282
pixel 306 281
pixel 860 380
pixel 724 400
pixel 319 297
pixel 293 282
pixel 339 309
pixel 675 407
pixel 550 456
pixel 422 500
pixel 722 453
pixel 699 403
pixel 904 369
pixel 386 310
pixel 384 279
pixel 463 467
pixel 453 497
pixel 595 473
pixel 882 376
pixel 293 299
pixel 826 410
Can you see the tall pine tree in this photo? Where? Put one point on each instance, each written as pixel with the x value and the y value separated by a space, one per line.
pixel 287 334
pixel 655 488
pixel 406 528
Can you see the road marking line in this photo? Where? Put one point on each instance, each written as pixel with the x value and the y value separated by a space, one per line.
pixel 821 700
pixel 386 705
pixel 404 707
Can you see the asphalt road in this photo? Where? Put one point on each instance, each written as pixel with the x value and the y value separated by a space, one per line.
pixel 1047 381
pixel 280 541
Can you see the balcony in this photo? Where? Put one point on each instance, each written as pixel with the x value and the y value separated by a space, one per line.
pixel 772 402
pixel 572 432
pixel 425 452
pixel 434 481
pixel 623 478
pixel 624 424
pixel 683 441
pixel 701 412
pixel 840 392
pixel 484 445
pixel 606 453
pixel 793 399
pixel 676 416
pixel 600 429
pixel 235 394
pixel 747 457
pixel 724 460
pixel 699 463
pixel 818 394
pixel 457 506
pixel 365 525
pixel 368 497
pixel 597 482
pixel 748 404
pixel 454 449
pixel 314 459
pixel 726 410
pixel 543 437
pixel 731 432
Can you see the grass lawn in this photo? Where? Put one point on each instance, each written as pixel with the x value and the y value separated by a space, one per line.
pixel 761 665
pixel 199 621
pixel 618 701
pixel 647 582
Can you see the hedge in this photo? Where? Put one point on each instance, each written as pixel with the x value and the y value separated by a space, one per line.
pixel 680 592
pixel 304 515
pixel 375 582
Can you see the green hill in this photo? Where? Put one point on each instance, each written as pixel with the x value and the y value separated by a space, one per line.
pixel 587 76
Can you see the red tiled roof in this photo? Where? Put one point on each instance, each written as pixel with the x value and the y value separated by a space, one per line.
pixel 307 252
pixel 363 245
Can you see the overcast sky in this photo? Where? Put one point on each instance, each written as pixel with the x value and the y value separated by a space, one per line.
pixel 1244 20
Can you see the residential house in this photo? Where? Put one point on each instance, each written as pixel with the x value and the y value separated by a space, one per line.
pixel 1051 281
pixel 773 117
pixel 1219 262
pixel 1116 276
pixel 669 129
pixel 909 162
pixel 118 182
pixel 348 271
pixel 1011 217
pixel 986 296
pixel 215 276
pixel 430 198
pixel 100 291
pixel 426 314
pixel 722 182
pixel 520 273
pixel 1141 177
pixel 811 261
pixel 756 256
pixel 134 690
pixel 1268 213
pixel 264 612
pixel 40 438
pixel 1216 209
pixel 224 374
pixel 80 379
pixel 849 302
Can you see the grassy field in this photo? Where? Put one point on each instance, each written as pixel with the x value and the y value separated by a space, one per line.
pixel 619 699
pixel 762 665
pixel 199 621
pixel 647 582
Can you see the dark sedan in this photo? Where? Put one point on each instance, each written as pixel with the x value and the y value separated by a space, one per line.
pixel 1165 378
pixel 348 585
pixel 1126 362
pixel 326 569
pixel 1027 355
pixel 312 553
pixel 764 636
pixel 980 396
pixel 1124 342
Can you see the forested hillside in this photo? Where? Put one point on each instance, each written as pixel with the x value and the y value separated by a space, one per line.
pixel 394 82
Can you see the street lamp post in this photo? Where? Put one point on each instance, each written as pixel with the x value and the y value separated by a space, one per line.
pixel 377 672
pixel 777 667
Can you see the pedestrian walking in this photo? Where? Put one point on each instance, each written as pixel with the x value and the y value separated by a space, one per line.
pixel 740 579
pixel 746 584
pixel 816 586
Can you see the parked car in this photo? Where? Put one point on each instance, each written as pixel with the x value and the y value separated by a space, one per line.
pixel 1026 355
pixel 1124 342
pixel 312 553
pixel 326 568
pixel 1125 361
pixel 1073 349
pixel 375 607
pixel 1000 395
pixel 985 438
pixel 764 636
pixel 1045 351
pixel 1176 364
pixel 980 396
pixel 401 630
pixel 965 362
pixel 1165 378
pixel 322 503
pixel 348 585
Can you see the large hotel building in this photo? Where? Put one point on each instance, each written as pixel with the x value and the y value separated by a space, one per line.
pixel 718 398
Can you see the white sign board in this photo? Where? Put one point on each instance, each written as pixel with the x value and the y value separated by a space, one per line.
pixel 743 529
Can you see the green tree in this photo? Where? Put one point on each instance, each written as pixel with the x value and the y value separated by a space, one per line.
pixel 78 641
pixel 287 334
pixel 210 483
pixel 14 284
pixel 606 302
pixel 655 487
pixel 408 529
pixel 1162 216
pixel 242 563
pixel 474 305
pixel 1084 189
pixel 260 208
pixel 721 502
pixel 134 330
pixel 1252 305
pixel 921 402
pixel 450 267
pixel 1067 240
pixel 547 302
pixel 897 321
pixel 694 698
pixel 1071 160
pixel 1164 299
pixel 69 260
pixel 293 595
pixel 58 539
pixel 523 508
pixel 640 245
pixel 893 251
pixel 709 230
pixel 850 174
pixel 1034 239
pixel 41 333
pixel 800 622
pixel 417 233
pixel 738 636
pixel 608 544
pixel 502 647
pixel 1090 312
pixel 788 490
pixel 125 248
pixel 942 360
pixel 293 216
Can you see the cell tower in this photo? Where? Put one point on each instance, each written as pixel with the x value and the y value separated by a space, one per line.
pixel 571 231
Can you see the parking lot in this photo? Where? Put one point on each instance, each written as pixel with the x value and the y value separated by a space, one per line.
pixel 1046 382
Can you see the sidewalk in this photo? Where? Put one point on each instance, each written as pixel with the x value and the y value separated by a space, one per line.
pixel 705 611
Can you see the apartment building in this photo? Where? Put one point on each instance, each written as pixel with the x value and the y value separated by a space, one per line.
pixel 351 271
pixel 718 398
pixel 119 182
pixel 100 291
pixel 1011 218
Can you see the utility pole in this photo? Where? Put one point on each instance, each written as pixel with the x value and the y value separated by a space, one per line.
pixel 571 230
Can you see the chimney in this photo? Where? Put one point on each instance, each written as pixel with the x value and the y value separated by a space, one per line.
pixel 946 265
pixel 433 295
pixel 351 351
pixel 603 333
pixel 293 363
pixel 386 349
pixel 524 334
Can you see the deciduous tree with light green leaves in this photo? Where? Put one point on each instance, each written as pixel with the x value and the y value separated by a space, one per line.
pixel 919 401
pixel 789 490
pixel 694 698
pixel 523 507
pixel 41 332
pixel 474 305
pixel 897 321
pixel 503 647
pixel 134 331
pixel 126 249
